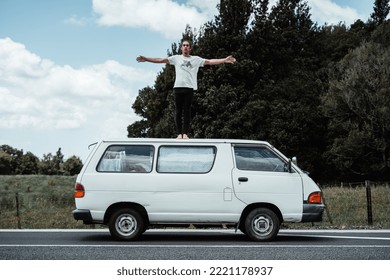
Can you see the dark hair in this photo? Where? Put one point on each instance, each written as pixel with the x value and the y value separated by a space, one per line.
pixel 186 40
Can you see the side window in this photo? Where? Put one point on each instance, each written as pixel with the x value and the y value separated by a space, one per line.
pixel 189 159
pixel 127 159
pixel 258 159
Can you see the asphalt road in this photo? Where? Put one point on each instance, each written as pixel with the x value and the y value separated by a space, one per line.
pixel 194 245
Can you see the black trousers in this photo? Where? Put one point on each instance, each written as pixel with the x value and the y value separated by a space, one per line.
pixel 183 99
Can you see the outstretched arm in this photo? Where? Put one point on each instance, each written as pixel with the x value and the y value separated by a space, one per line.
pixel 142 58
pixel 216 61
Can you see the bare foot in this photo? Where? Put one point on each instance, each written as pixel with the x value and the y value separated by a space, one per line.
pixel 185 136
pixel 179 136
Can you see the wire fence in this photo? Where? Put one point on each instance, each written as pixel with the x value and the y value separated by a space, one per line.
pixel 36 210
pixel 357 204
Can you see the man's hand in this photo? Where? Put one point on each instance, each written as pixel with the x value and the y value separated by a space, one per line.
pixel 230 59
pixel 141 58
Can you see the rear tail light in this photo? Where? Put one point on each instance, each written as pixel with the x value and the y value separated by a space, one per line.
pixel 79 191
pixel 315 198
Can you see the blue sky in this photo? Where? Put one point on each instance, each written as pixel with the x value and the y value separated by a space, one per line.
pixel 68 74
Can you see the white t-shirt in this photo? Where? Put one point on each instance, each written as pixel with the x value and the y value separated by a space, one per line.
pixel 186 70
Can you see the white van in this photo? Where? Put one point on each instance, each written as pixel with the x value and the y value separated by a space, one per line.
pixel 132 184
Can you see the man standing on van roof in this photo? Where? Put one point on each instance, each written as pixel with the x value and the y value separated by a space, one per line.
pixel 186 69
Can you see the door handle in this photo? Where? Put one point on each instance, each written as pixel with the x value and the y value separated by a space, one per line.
pixel 243 179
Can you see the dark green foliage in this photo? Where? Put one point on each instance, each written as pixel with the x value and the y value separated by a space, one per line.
pixel 9 159
pixel 381 11
pixel 28 164
pixel 50 164
pixel 72 166
pixel 357 105
pixel 16 162
pixel 5 163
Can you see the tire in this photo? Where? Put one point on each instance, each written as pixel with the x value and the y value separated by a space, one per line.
pixel 126 224
pixel 262 224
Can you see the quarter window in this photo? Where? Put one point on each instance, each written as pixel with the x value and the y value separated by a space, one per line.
pixel 127 159
pixel 189 159
pixel 258 159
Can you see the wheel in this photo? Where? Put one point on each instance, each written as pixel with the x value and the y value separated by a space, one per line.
pixel 262 224
pixel 126 224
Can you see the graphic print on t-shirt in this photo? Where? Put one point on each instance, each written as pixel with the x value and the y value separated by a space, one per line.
pixel 186 64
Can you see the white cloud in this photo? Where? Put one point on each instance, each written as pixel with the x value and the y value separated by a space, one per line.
pixel 206 7
pixel 170 18
pixel 36 93
pixel 327 11
pixel 78 21
pixel 164 16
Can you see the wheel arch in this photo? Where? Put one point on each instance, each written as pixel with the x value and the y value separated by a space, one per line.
pixel 253 206
pixel 122 205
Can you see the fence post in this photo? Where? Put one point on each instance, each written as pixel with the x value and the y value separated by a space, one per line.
pixel 369 203
pixel 17 210
pixel 326 208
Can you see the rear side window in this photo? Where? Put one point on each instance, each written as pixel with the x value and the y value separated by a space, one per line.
pixel 127 159
pixel 258 159
pixel 188 159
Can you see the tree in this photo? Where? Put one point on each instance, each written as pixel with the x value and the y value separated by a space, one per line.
pixel 292 30
pixel 72 166
pixel 5 163
pixel 357 105
pixel 232 24
pixel 224 90
pixel 381 34
pixel 58 160
pixel 259 39
pixel 28 164
pixel 13 158
pixel 51 165
pixel 46 165
pixel 381 11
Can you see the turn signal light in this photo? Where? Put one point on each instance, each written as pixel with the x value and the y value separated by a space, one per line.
pixel 79 191
pixel 315 197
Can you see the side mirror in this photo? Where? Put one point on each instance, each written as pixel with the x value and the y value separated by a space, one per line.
pixel 295 161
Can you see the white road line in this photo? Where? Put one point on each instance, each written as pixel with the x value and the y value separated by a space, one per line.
pixel 195 246
pixel 337 236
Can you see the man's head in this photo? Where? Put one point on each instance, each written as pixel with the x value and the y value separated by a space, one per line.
pixel 185 47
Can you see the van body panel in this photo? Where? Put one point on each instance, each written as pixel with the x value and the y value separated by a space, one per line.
pixel 281 189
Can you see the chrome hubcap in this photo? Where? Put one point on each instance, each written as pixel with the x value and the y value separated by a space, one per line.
pixel 126 224
pixel 262 225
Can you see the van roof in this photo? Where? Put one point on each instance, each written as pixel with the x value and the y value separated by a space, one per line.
pixel 182 141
